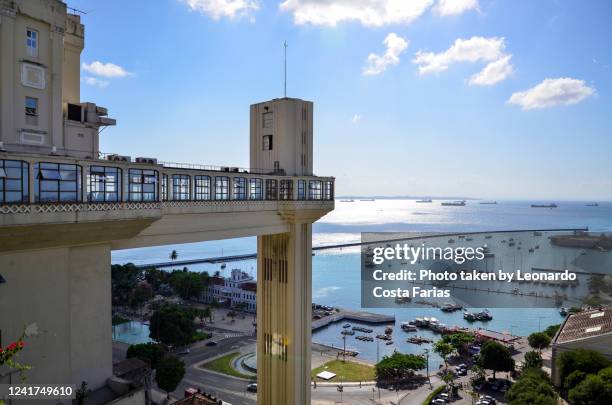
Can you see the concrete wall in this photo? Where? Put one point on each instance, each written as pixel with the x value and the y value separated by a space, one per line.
pixel 65 292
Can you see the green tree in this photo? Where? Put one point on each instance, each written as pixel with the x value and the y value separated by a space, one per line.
pixel 574 378
pixel 533 388
pixel 595 389
pixel 496 357
pixel 173 255
pixel 169 373
pixel 141 294
pixel 171 325
pixel 444 350
pixel 552 330
pixel 150 352
pixel 460 341
pixel 587 361
pixel 533 359
pixel 186 284
pixel 538 341
pixel 124 279
pixel 399 366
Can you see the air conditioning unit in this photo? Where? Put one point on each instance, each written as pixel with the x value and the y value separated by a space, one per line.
pixel 234 170
pixel 225 169
pixel 119 158
pixel 149 161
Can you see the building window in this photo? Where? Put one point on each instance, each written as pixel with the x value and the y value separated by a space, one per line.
pixel 271 189
pixel 286 189
pixel 164 187
pixel 181 187
pixel 314 190
pixel 240 189
pixel 255 189
pixel 329 190
pixel 32 42
pixel 142 185
pixel 13 182
pixel 57 182
pixel 104 184
pixel 202 187
pixel 267 142
pixel 221 188
pixel 301 189
pixel 31 110
pixel 268 119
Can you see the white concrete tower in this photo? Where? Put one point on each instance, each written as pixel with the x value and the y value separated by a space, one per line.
pixel 281 142
pixel 281 136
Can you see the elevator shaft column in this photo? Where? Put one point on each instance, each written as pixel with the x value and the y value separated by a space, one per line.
pixel 284 315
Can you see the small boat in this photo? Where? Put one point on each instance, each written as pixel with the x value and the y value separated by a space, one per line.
pixel 223 265
pixel 407 327
pixel 346 325
pixel 551 205
pixel 388 330
pixel 348 332
pixel 424 201
pixel 488 202
pixel 390 342
pixel 563 311
pixel 592 205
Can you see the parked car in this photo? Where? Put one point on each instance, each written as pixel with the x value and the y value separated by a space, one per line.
pixel 184 352
pixel 211 343
pixel 252 387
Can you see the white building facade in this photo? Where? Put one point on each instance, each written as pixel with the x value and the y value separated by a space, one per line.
pixel 237 291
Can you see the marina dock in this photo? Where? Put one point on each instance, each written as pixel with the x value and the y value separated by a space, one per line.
pixel 355 316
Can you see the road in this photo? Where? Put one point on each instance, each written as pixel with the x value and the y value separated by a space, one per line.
pixel 229 389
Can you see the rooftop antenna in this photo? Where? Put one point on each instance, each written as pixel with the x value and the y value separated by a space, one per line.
pixel 76 10
pixel 285 46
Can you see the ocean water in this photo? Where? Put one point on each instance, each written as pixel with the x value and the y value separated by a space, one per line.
pixel 336 273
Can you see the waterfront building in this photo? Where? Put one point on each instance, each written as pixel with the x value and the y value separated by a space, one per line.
pixel 237 291
pixel 64 206
pixel 584 330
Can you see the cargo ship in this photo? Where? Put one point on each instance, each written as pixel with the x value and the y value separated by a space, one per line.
pixel 552 205
pixel 453 203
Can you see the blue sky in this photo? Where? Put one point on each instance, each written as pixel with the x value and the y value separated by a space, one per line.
pixel 454 99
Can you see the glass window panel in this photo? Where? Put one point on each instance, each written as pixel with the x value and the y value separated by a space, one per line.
pixel 50 174
pixel 49 186
pixel 12 196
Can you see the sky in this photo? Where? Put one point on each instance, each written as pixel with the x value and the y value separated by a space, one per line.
pixel 505 99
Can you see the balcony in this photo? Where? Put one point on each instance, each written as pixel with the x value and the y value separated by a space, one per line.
pixel 115 199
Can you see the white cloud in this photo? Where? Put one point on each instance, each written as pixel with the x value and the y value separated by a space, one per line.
pixel 356 119
pixel 552 92
pixel 377 64
pixel 217 9
pixel 105 69
pixel 493 73
pixel 454 7
pixel 374 13
pixel 475 49
pixel 94 81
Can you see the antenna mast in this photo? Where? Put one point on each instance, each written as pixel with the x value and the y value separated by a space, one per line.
pixel 285 45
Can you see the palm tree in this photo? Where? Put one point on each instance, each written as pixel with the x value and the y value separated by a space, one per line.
pixel 174 255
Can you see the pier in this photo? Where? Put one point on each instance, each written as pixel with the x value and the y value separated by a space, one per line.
pixel 355 316
pixel 249 256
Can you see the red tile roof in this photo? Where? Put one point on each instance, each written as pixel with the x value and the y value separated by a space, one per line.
pixel 585 324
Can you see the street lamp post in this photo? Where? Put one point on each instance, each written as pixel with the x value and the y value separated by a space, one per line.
pixel 427 362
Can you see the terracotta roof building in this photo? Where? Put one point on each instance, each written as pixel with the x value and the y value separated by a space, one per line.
pixel 585 330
